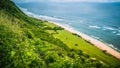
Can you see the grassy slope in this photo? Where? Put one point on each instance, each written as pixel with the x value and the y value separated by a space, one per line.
pixel 70 39
pixel 25 43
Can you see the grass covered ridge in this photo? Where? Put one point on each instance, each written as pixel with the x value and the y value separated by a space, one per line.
pixel 29 42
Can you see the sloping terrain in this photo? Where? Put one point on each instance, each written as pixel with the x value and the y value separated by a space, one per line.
pixel 26 42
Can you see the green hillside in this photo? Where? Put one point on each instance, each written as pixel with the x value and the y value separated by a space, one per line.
pixel 26 42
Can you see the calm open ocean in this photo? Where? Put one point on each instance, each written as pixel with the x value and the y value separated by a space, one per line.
pixel 98 20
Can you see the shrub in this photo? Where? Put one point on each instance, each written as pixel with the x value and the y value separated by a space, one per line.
pixel 76 44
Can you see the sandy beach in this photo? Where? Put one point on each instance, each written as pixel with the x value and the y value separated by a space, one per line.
pixel 95 42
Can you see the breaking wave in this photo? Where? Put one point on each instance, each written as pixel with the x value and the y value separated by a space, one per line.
pixel 95 27
pixel 40 16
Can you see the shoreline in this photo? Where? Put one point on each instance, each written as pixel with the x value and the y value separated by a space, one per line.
pixel 95 42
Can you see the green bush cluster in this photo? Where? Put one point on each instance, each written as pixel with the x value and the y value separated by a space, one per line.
pixel 25 44
pixel 54 28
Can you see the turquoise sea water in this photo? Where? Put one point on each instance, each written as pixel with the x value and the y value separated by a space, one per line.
pixel 98 20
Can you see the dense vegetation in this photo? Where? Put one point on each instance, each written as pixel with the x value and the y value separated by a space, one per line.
pixel 26 42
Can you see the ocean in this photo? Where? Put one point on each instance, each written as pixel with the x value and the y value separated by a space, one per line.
pixel 98 20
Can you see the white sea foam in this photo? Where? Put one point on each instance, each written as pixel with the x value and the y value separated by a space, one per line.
pixel 40 16
pixel 111 45
pixel 114 32
pixel 118 30
pixel 109 28
pixel 26 11
pixel 50 18
pixel 95 37
pixel 53 18
pixel 118 34
pixel 95 27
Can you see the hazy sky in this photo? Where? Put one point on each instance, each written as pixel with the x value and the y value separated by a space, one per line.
pixel 67 0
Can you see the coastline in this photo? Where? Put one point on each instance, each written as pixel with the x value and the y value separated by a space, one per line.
pixel 95 42
pixel 92 40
